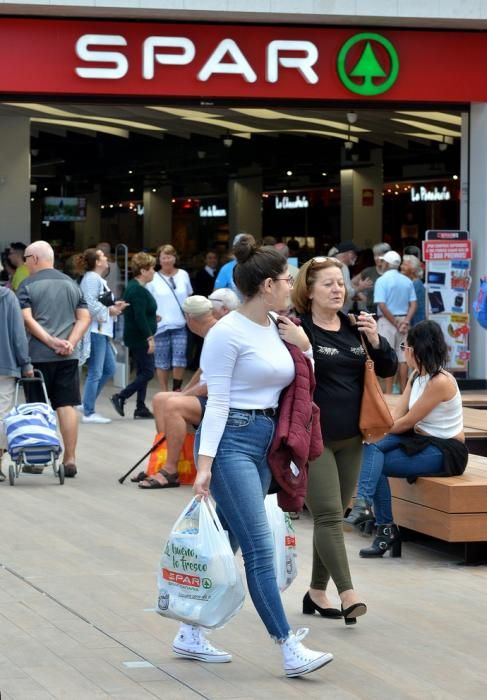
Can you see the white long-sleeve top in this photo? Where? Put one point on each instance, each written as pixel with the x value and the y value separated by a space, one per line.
pixel 246 366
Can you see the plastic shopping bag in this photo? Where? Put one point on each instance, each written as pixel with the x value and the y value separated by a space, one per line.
pixel 284 535
pixel 198 580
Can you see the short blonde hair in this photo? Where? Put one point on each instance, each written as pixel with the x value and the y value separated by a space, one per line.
pixel 167 249
pixel 141 261
pixel 306 279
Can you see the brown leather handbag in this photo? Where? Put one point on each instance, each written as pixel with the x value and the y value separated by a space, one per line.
pixel 375 419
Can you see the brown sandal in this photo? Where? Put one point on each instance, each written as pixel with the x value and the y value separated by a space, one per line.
pixel 172 481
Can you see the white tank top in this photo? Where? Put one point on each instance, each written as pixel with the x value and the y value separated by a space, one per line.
pixel 446 419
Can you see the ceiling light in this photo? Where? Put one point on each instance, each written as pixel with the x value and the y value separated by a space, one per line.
pixel 201 154
pixel 348 145
pixel 324 174
pixel 352 117
pixel 154 189
pixel 227 141
pixel 455 177
pixel 45 189
pixel 445 142
pixel 131 189
pixel 131 172
pixel 289 173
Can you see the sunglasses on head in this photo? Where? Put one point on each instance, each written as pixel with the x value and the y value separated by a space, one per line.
pixel 405 346
pixel 324 258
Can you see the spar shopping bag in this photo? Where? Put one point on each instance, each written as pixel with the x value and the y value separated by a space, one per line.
pixel 284 535
pixel 199 581
pixel 186 466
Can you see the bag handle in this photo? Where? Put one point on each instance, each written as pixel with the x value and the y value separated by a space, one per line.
pixel 209 515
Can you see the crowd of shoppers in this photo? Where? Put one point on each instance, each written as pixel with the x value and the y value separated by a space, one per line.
pixel 248 359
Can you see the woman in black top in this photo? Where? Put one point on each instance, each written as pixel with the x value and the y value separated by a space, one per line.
pixel 318 296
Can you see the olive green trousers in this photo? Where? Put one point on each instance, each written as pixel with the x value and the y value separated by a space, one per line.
pixel 332 480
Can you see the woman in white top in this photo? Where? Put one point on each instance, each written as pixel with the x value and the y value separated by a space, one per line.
pixel 246 366
pixel 426 439
pixel 103 309
pixel 170 287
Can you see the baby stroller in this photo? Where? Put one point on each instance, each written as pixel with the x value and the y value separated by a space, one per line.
pixel 32 439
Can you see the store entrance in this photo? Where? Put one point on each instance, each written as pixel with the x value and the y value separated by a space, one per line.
pixel 113 157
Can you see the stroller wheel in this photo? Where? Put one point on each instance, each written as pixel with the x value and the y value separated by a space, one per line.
pixel 11 474
pixel 60 473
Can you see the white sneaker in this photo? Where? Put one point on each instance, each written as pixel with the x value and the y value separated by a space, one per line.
pixel 191 643
pixel 95 418
pixel 298 660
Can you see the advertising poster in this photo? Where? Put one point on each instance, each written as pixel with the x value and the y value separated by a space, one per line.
pixel 448 255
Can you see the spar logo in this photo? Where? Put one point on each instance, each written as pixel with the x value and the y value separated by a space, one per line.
pixel 181 579
pixel 290 541
pixel 368 64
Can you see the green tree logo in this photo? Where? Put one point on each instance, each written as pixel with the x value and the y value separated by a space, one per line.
pixel 364 77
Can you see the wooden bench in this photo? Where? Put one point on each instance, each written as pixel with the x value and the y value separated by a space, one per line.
pixel 452 509
pixel 474 399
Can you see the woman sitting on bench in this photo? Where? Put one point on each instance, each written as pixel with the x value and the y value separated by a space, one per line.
pixel 426 439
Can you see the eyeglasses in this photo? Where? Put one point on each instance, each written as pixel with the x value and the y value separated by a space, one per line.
pixel 28 256
pixel 403 346
pixel 289 280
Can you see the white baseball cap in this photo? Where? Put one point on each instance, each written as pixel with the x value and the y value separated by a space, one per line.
pixel 197 305
pixel 391 258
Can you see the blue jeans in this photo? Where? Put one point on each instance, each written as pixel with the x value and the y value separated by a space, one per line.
pixel 385 458
pixel 144 364
pixel 240 479
pixel 101 366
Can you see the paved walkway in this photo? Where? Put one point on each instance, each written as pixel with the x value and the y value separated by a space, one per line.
pixel 77 588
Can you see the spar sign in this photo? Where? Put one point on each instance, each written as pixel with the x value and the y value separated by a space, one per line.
pixel 44 56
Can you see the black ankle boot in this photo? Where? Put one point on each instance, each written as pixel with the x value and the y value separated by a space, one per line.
pixel 388 537
pixel 360 513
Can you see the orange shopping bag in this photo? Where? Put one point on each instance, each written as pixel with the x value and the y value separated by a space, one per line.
pixel 186 466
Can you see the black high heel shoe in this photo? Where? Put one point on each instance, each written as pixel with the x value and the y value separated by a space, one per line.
pixel 351 613
pixel 310 607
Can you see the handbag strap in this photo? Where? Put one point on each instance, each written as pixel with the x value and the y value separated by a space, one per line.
pixel 353 322
pixel 173 293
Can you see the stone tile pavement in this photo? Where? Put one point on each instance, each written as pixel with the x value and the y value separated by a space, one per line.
pixel 77 590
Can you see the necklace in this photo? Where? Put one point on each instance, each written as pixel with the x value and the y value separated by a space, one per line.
pixel 328 324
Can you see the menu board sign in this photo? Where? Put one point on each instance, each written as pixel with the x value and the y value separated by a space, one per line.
pixel 448 256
